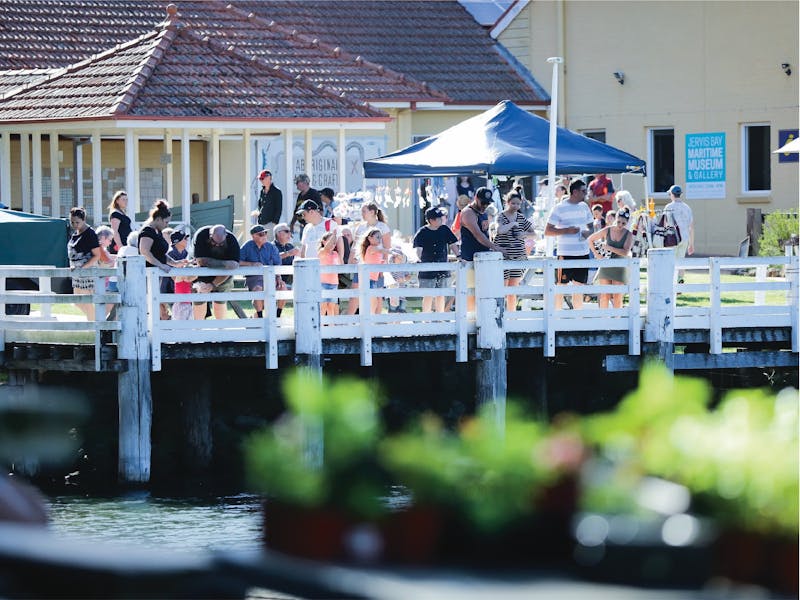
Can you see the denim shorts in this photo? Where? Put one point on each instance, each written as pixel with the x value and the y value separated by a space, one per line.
pixel 330 286
pixel 434 282
pixel 375 284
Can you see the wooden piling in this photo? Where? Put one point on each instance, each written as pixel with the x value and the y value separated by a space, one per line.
pixel 308 342
pixel 307 298
pixel 659 327
pixel 133 382
pixel 490 354
pixel 196 412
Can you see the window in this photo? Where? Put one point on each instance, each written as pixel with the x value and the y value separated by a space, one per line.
pixel 595 134
pixel 660 160
pixel 756 158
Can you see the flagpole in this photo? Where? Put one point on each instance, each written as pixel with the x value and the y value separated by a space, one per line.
pixel 551 148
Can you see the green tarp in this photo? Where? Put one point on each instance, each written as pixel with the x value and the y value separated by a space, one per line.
pixel 200 215
pixel 27 239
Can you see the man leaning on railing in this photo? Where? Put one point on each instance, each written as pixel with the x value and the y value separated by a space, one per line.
pixel 217 248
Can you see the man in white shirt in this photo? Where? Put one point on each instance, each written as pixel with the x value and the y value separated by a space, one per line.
pixel 571 223
pixel 316 226
pixel 682 217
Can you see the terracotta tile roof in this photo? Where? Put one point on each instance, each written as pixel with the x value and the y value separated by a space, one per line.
pixel 11 81
pixel 436 41
pixel 174 72
pixel 433 41
pixel 321 63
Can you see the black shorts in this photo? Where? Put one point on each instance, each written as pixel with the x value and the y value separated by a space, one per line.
pixel 580 275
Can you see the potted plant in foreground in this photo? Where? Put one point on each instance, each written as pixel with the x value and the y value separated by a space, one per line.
pixel 735 466
pixel 317 468
pixel 499 493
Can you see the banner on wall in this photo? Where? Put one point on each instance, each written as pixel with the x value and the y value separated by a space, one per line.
pixel 705 165
pixel 784 137
pixel 270 153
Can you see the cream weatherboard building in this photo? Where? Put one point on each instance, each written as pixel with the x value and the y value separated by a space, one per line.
pixel 704 91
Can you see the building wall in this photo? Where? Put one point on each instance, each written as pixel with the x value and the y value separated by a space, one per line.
pixel 695 67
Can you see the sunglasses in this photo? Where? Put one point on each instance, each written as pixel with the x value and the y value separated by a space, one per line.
pixel 261 233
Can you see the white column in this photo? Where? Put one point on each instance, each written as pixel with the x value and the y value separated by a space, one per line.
pixel 25 170
pixel 97 177
pixel 247 201
pixel 342 156
pixel 169 171
pixel 36 156
pixel 186 176
pixel 214 184
pixel 78 167
pixel 55 183
pixel 5 168
pixel 308 153
pixel 131 175
pixel 289 192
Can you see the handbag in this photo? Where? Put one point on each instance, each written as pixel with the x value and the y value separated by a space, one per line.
pixel 666 233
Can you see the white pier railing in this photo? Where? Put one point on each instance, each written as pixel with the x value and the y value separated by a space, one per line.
pixel 649 314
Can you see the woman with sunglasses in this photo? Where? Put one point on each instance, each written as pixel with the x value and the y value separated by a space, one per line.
pixel 618 241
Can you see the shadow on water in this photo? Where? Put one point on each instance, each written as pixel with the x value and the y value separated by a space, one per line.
pixel 243 397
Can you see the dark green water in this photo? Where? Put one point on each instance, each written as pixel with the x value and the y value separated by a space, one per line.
pixel 180 524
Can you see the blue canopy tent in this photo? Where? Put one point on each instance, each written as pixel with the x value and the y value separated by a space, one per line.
pixel 504 140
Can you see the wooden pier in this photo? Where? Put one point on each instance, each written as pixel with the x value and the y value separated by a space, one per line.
pixel 136 343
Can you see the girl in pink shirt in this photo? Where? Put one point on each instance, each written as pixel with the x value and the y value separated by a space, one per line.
pixel 373 253
pixel 330 281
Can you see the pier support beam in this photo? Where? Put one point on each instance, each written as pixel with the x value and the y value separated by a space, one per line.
pixel 133 384
pixel 659 327
pixel 308 342
pixel 490 354
pixel 196 413
pixel 307 297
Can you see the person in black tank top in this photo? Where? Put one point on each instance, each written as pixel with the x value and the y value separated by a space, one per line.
pixel 474 234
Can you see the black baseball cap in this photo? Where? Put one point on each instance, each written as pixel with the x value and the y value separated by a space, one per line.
pixel 484 195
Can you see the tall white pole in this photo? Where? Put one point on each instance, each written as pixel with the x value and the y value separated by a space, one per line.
pixel 551 148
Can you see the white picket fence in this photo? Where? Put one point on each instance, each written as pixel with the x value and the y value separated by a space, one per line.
pixel 651 322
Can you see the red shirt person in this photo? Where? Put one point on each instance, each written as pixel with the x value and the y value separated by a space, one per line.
pixel 601 191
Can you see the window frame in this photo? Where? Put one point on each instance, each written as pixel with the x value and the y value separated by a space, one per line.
pixel 651 193
pixel 745 155
pixel 586 132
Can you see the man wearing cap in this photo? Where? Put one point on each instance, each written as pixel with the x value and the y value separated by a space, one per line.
pixel 682 217
pixel 305 192
pixel 571 223
pixel 474 234
pixel 217 248
pixel 316 226
pixel 270 202
pixel 432 242
pixel 255 253
pixel 287 253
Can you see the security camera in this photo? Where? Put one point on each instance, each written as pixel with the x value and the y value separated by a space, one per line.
pixel 620 77
pixel 786 68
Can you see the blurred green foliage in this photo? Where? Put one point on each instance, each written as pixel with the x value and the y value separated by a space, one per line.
pixel 739 460
pixel 343 416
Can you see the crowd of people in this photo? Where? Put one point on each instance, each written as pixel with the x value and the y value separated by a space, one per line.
pixel 587 220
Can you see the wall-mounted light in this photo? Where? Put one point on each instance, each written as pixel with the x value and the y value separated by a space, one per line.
pixel 620 77
pixel 786 68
